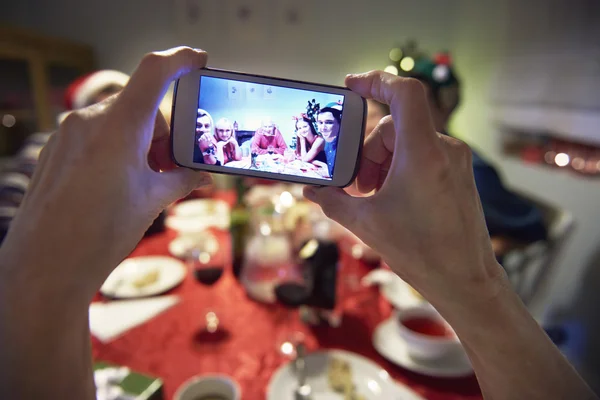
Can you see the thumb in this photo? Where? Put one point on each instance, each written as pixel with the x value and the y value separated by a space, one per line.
pixel 178 183
pixel 336 204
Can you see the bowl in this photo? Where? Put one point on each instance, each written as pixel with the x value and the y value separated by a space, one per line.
pixel 426 334
pixel 209 386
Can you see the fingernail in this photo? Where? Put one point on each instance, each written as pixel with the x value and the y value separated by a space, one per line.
pixel 351 76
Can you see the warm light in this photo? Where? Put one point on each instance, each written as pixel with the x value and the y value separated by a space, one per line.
pixel 278 208
pixel 598 165
pixel 549 157
pixel 9 120
pixel 286 199
pixel 212 246
pixel 407 64
pixel 374 386
pixel 265 229
pixel 287 348
pixel 309 249
pixel 562 159
pixel 578 163
pixel 391 69
pixel 357 251
pixel 441 73
pixel 395 54
pixel 204 258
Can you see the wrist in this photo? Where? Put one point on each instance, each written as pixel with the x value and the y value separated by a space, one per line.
pixel 29 264
pixel 478 309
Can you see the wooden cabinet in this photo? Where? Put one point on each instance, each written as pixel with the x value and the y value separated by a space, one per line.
pixel 34 73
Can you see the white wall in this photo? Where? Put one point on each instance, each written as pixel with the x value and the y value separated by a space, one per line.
pixel 333 38
pixel 485 33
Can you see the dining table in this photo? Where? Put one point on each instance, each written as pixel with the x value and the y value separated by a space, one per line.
pixel 287 164
pixel 171 345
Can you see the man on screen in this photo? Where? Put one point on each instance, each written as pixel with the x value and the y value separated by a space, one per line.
pixel 328 122
pixel 268 139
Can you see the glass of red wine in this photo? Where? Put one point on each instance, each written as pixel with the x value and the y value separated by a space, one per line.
pixel 206 271
pixel 270 149
pixel 291 291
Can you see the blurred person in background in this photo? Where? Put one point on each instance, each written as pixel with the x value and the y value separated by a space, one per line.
pixel 83 92
pixel 512 221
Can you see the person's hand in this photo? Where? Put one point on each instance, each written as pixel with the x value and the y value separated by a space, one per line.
pixel 205 142
pixel 425 217
pixel 97 187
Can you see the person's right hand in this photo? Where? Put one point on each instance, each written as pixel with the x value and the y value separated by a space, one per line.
pixel 425 218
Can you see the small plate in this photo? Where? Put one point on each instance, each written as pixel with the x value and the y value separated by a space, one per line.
pixel 144 276
pixel 181 246
pixel 198 215
pixel 389 344
pixel 399 293
pixel 370 379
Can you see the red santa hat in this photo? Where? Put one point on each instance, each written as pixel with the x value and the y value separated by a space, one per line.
pixel 81 91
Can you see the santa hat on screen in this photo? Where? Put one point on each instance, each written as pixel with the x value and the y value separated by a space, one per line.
pixel 80 93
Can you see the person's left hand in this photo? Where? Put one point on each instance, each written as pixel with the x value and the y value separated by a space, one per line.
pixel 98 185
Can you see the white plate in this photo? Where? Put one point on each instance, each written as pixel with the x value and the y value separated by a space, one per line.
pixel 198 215
pixel 371 381
pixel 121 283
pixel 390 345
pixel 399 293
pixel 181 246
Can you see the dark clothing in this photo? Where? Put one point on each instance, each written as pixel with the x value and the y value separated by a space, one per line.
pixel 506 213
pixel 330 149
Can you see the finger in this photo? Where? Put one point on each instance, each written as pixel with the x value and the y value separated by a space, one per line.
pixel 336 204
pixel 159 156
pixel 377 152
pixel 408 105
pixel 178 183
pixel 150 81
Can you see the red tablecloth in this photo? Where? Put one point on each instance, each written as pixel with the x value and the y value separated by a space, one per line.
pixel 168 347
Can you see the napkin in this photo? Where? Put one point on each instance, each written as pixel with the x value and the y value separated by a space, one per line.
pixel 379 276
pixel 109 320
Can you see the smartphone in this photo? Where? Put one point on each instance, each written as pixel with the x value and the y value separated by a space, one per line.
pixel 237 123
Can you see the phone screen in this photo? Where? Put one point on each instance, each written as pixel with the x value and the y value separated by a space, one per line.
pixel 267 128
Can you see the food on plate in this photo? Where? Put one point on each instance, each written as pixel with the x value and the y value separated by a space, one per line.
pixel 339 375
pixel 146 279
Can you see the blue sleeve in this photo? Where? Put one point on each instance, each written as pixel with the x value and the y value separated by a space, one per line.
pixel 506 213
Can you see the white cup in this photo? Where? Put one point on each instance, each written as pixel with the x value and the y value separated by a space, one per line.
pixel 422 346
pixel 219 386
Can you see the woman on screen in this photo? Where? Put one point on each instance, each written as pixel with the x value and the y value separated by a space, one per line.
pixel 309 144
pixel 228 148
pixel 205 139
pixel 328 121
pixel 268 139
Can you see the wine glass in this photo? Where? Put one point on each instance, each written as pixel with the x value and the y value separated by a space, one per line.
pixel 207 270
pixel 292 290
pixel 270 149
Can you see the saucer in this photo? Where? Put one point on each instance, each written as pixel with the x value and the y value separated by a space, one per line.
pixel 389 344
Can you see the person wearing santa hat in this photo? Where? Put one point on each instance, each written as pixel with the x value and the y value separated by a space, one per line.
pixel 93 88
pixel 83 92
pixel 513 221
